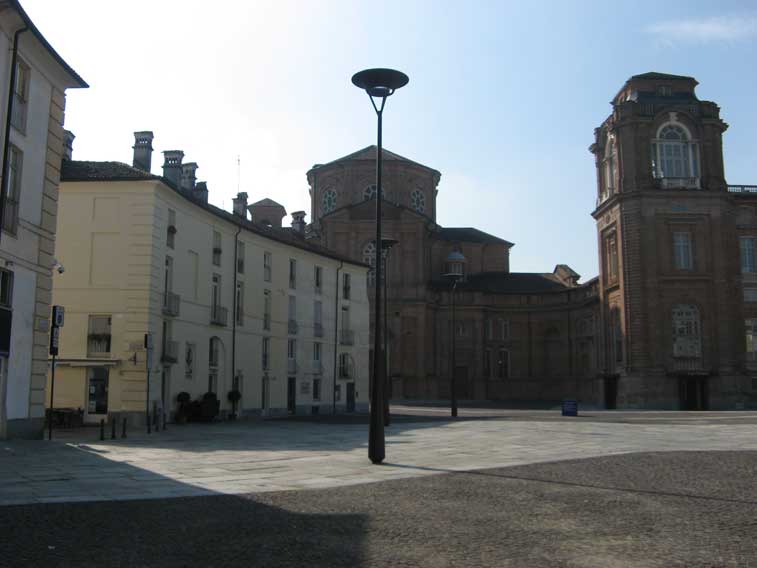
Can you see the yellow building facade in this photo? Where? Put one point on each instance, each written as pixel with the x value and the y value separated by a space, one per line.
pixel 230 304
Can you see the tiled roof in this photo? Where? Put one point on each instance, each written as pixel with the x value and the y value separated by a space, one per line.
pixel 117 171
pixel 369 153
pixel 102 171
pixel 468 235
pixel 507 283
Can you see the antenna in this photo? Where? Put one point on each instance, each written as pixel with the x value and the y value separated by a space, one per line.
pixel 239 170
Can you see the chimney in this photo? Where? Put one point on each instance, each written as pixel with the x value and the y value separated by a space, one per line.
pixel 172 166
pixel 188 177
pixel 298 221
pixel 68 144
pixel 143 150
pixel 200 191
pixel 240 205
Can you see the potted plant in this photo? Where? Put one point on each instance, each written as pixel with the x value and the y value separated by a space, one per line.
pixel 182 413
pixel 234 397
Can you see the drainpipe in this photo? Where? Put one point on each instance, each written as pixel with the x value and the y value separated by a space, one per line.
pixel 8 114
pixel 336 336
pixel 234 316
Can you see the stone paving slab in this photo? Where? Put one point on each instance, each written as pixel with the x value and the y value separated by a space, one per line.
pixel 255 457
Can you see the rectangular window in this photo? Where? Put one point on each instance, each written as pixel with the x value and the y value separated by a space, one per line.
pixel 267 263
pixel 13 190
pixel 266 352
pixel 317 352
pixel 746 246
pixel 503 364
pixel 316 389
pixel 347 287
pixel 292 349
pixel 217 248
pixel 267 310
pixel 751 339
pixel 240 257
pixel 292 308
pixel 6 288
pixel 215 291
pixel 612 259
pixel 171 229
pixel 682 250
pixel 346 318
pixel 318 276
pixel 750 295
pixel 240 303
pixel 292 273
pixel 20 96
pixel 98 336
pixel 489 329
pixel 487 363
pixel 345 369
pixel 189 360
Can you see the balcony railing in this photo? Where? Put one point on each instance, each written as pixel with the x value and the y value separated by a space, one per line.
pixel 742 188
pixel 292 327
pixel 678 182
pixel 219 315
pixel 98 345
pixel 170 352
pixel 171 304
pixel 688 364
pixel 291 366
pixel 347 337
pixel 317 330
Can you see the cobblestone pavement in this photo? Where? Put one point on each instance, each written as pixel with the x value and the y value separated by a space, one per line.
pixel 650 510
pixel 256 457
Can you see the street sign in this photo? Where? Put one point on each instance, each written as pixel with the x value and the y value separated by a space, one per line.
pixel 58 313
pixel 54 340
pixel 570 407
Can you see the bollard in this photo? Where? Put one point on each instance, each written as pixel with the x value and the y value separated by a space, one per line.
pixel 102 429
pixel 123 429
pixel 113 429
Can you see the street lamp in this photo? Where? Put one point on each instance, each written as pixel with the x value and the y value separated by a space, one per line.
pixel 455 264
pixel 379 84
pixel 386 245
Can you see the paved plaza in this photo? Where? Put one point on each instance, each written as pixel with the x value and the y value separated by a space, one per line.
pixel 276 455
pixel 493 488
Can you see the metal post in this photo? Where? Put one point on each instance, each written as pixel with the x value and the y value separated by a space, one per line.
pixel 147 405
pixel 376 441
pixel 387 417
pixel 453 394
pixel 52 397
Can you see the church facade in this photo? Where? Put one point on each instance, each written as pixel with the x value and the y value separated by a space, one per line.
pixel 669 321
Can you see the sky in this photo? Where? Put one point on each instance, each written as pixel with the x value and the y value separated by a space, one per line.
pixel 503 96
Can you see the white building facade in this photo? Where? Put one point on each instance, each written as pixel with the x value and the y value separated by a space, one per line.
pixel 32 99
pixel 231 305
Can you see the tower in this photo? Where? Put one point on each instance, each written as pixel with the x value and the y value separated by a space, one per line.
pixel 670 291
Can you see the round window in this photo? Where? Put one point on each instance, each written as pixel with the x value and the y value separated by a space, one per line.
pixel 328 203
pixel 418 200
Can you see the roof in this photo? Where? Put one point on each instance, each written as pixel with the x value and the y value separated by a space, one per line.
pixel 84 171
pixel 468 235
pixel 654 75
pixel 266 202
pixel 508 283
pixel 49 48
pixel 369 153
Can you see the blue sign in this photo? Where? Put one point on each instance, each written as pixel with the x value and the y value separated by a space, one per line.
pixel 570 407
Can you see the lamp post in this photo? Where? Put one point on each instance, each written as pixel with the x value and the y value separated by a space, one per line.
pixel 455 262
pixel 386 245
pixel 379 84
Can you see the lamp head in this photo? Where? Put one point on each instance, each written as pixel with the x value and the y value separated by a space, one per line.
pixel 380 83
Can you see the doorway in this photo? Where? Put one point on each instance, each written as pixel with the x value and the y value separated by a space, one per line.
pixel 611 392
pixel 693 393
pixel 292 395
pixel 97 393
pixel 350 397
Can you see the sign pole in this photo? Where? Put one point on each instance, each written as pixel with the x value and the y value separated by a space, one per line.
pixel 57 323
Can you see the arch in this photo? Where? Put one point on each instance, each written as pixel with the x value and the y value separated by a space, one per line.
pixel 675 155
pixel 369 258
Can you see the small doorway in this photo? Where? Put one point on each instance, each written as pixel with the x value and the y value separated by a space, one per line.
pixel 350 397
pixel 97 393
pixel 693 393
pixel 611 392
pixel 292 395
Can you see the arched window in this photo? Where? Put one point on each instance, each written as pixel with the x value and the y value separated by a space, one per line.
pixel 328 201
pixel 687 335
pixel 369 258
pixel 609 170
pixel 675 157
pixel 370 192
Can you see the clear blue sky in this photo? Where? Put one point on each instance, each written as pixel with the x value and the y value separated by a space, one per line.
pixel 503 96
